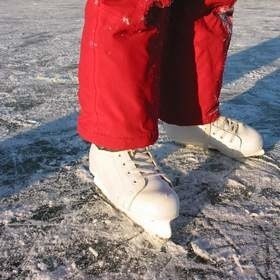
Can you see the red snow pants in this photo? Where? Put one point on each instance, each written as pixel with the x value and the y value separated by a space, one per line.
pixel 141 61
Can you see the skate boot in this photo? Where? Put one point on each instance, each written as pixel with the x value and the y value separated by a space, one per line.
pixel 226 135
pixel 132 182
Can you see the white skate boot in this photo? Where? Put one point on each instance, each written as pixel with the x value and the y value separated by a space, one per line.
pixel 226 135
pixel 132 182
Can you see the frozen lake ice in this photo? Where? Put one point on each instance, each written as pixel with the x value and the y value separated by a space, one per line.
pixel 53 223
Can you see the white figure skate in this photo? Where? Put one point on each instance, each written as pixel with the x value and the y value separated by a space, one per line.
pixel 226 135
pixel 131 181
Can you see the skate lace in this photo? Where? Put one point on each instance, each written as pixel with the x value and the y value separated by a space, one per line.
pixel 228 124
pixel 144 162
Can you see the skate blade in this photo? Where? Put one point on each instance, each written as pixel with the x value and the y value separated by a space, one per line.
pixel 161 229
pixel 259 153
pixel 243 157
pixel 232 154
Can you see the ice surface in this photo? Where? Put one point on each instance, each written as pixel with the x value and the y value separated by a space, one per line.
pixel 53 223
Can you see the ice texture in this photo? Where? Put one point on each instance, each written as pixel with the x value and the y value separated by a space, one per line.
pixel 53 222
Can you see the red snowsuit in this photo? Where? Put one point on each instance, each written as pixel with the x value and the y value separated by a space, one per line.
pixel 141 62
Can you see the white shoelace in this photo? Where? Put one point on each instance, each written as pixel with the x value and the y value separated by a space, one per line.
pixel 227 124
pixel 144 162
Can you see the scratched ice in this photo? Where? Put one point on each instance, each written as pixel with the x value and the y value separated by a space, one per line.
pixel 53 223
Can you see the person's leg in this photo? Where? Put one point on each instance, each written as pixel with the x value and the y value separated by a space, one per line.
pixel 192 71
pixel 119 98
pixel 193 61
pixel 118 74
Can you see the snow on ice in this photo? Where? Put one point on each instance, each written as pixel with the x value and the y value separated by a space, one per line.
pixel 53 222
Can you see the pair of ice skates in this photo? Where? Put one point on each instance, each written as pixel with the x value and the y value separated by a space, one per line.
pixel 133 183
